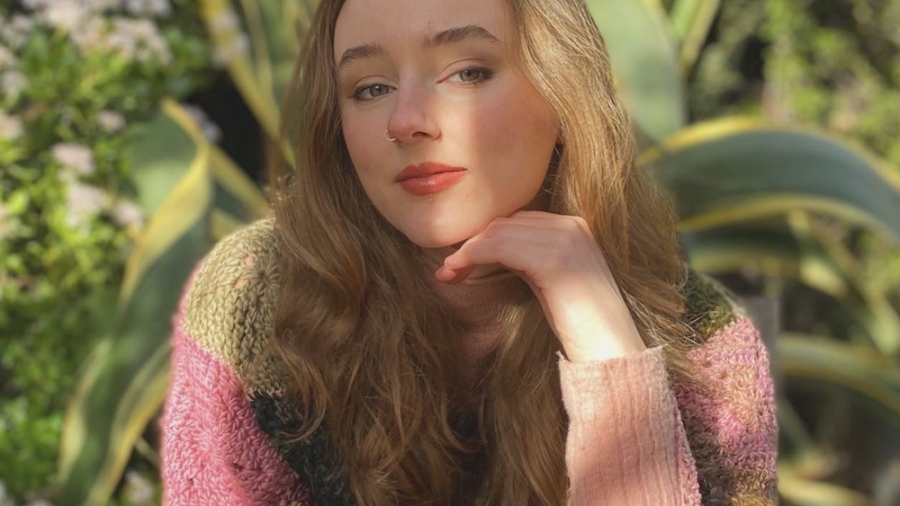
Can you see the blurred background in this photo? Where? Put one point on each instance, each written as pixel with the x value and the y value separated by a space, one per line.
pixel 134 134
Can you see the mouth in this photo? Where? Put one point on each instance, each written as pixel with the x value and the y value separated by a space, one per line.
pixel 431 184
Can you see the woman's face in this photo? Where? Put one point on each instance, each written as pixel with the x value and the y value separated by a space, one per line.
pixel 459 101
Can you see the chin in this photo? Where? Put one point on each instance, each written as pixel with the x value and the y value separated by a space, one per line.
pixel 439 240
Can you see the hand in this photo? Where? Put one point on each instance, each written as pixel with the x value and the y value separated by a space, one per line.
pixel 560 260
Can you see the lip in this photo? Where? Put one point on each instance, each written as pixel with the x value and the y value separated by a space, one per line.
pixel 428 178
pixel 432 184
pixel 425 169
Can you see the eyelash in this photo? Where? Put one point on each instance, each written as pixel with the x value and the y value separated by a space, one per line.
pixel 485 75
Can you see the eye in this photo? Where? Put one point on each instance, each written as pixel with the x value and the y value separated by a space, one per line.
pixel 484 74
pixel 359 91
pixel 481 74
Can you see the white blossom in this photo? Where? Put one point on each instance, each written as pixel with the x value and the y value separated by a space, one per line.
pixel 74 157
pixel 10 127
pixel 237 46
pixel 12 82
pixel 140 39
pixel 111 121
pixel 93 36
pixel 65 15
pixel 138 490
pixel 161 8
pixel 126 213
pixel 210 130
pixel 89 5
pixel 6 58
pixel 83 202
pixel 15 32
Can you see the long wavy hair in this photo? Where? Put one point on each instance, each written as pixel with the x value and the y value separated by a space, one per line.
pixel 362 335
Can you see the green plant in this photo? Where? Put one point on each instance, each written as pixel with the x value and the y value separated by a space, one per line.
pixel 68 210
pixel 745 191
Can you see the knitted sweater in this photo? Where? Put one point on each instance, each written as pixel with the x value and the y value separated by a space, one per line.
pixel 634 437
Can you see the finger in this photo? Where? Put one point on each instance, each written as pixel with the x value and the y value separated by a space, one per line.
pixel 453 277
pixel 527 213
pixel 541 215
pixel 560 220
pixel 514 245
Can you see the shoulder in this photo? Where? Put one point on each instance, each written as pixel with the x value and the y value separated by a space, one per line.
pixel 710 306
pixel 230 305
pixel 731 427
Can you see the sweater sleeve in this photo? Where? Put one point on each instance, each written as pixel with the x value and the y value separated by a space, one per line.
pixel 212 450
pixel 627 441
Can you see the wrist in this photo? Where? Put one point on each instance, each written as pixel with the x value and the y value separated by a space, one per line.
pixel 579 353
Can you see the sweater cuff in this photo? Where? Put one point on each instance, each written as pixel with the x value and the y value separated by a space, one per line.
pixel 621 446
pixel 633 382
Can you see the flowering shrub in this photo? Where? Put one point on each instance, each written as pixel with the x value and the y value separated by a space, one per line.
pixel 75 77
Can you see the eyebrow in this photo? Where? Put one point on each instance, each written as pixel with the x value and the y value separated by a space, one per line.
pixel 449 36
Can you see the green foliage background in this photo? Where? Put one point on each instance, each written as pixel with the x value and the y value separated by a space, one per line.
pixel 59 279
pixel 833 64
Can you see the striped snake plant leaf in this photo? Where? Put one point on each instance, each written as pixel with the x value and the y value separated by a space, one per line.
pixel 124 382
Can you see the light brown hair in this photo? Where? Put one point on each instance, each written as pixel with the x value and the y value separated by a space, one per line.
pixel 363 336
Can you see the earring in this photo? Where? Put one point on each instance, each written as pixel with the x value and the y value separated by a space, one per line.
pixel 388 138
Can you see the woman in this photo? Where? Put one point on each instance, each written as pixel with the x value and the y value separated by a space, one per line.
pixel 467 293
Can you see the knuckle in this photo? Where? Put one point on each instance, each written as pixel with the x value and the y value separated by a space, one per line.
pixel 493 228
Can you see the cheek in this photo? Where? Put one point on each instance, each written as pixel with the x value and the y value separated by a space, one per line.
pixel 361 144
pixel 515 130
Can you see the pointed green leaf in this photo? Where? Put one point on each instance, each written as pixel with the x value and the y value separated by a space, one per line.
pixel 124 382
pixel 645 61
pixel 836 367
pixel 733 170
pixel 691 21
pixel 229 43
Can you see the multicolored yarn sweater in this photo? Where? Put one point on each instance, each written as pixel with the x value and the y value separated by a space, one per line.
pixel 635 437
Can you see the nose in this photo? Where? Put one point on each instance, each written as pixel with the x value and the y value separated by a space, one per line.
pixel 413 117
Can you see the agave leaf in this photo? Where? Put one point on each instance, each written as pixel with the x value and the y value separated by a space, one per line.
pixel 691 22
pixel 789 247
pixel 805 492
pixel 124 382
pixel 228 41
pixel 870 307
pixel 741 169
pixel 833 378
pixel 841 367
pixel 285 22
pixel 159 159
pixel 644 59
pixel 768 246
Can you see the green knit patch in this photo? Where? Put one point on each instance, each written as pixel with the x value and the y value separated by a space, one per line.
pixel 709 305
pixel 231 304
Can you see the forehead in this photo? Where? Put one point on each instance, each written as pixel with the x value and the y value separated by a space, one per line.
pixel 402 24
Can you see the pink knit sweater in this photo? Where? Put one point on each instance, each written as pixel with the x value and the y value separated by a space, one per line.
pixel 634 436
